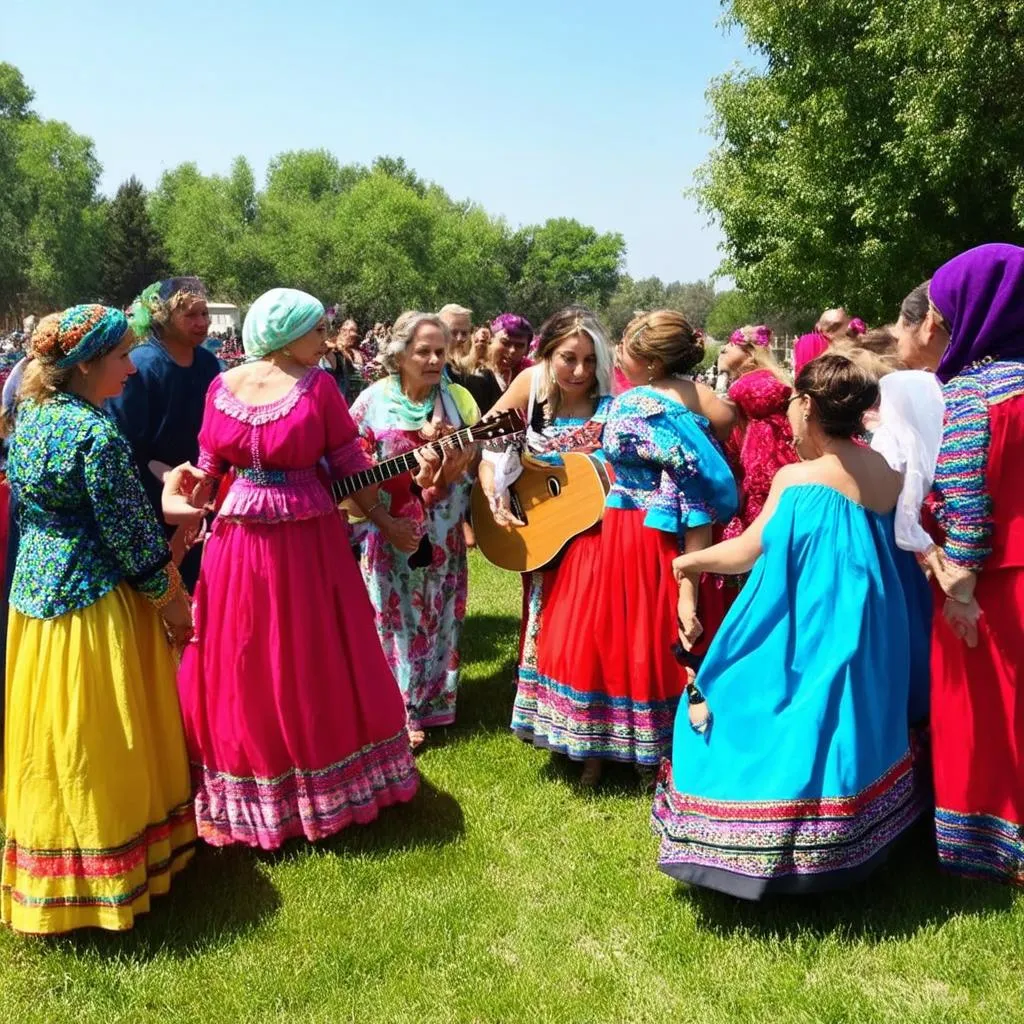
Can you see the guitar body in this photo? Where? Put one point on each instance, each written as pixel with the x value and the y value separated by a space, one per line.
pixel 556 503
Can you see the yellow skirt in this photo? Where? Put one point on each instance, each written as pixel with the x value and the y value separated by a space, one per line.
pixel 97 799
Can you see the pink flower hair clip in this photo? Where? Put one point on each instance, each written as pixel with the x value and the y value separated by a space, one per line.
pixel 857 326
pixel 737 337
pixel 763 336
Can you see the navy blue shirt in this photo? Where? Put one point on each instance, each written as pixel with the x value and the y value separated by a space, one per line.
pixel 160 412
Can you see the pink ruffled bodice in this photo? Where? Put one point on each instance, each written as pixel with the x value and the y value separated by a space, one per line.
pixel 283 452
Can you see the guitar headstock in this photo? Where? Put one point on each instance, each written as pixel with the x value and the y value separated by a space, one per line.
pixel 504 423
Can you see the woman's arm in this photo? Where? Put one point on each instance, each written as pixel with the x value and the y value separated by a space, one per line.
pixel 966 510
pixel 690 629
pixel 736 556
pixel 721 414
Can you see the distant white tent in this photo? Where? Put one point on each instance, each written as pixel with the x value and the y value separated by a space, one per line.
pixel 224 316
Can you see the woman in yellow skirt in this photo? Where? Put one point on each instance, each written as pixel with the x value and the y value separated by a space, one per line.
pixel 96 794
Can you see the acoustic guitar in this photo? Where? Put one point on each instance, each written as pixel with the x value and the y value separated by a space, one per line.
pixel 506 425
pixel 556 503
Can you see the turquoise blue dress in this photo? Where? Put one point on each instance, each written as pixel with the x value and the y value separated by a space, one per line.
pixel 807 773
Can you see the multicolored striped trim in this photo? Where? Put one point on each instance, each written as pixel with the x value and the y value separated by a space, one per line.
pixel 965 511
pixel 774 839
pixel 980 846
pixel 265 812
pixel 73 877
pixel 582 724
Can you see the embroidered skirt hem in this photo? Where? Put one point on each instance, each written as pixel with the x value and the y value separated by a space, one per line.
pixel 266 812
pixel 584 724
pixel 752 848
pixel 980 846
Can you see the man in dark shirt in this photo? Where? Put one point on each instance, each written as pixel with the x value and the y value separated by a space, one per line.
pixel 161 408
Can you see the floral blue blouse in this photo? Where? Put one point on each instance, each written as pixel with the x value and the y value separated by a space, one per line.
pixel 85 522
pixel 666 463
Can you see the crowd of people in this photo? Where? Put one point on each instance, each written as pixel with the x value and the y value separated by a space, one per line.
pixel 799 617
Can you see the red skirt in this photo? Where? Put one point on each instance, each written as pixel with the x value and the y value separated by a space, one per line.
pixel 603 681
pixel 978 734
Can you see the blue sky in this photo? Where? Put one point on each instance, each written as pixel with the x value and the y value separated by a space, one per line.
pixel 594 110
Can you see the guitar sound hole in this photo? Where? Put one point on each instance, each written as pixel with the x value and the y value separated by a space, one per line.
pixel 554 487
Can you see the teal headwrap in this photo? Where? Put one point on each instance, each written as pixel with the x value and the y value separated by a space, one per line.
pixel 277 318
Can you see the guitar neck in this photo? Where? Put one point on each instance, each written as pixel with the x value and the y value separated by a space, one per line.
pixel 395 466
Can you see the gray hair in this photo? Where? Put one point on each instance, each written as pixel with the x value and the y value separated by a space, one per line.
pixel 403 333
pixel 454 309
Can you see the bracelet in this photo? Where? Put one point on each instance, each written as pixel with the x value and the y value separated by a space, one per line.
pixel 175 588
pixel 373 508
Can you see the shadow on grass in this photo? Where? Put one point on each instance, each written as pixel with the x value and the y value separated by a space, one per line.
pixel 906 894
pixel 484 705
pixel 617 780
pixel 222 894
pixel 431 819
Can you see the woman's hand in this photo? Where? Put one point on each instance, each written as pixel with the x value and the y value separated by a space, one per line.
pixel 186 494
pixel 501 509
pixel 962 618
pixel 184 539
pixel 402 534
pixel 957 583
pixel 690 628
pixel 430 463
pixel 681 567
pixel 456 463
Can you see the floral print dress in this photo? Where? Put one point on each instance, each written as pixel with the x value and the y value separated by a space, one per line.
pixel 420 608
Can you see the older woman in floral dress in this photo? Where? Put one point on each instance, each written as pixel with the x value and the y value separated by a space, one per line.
pixel 420 599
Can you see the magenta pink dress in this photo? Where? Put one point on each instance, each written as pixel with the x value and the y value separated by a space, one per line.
pixel 295 724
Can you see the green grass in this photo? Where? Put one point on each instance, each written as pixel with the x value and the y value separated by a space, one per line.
pixel 504 893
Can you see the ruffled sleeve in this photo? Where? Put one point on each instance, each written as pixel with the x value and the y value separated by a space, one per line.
pixel 965 507
pixel 345 451
pixel 209 461
pixel 696 486
pixel 125 518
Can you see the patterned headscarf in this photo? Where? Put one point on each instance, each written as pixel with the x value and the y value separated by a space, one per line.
pixel 511 323
pixel 154 300
pixel 980 294
pixel 78 334
pixel 277 318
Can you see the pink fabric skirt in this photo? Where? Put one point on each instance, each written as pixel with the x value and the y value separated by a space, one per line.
pixel 295 724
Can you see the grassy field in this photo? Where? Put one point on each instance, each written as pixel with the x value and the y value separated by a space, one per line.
pixel 506 894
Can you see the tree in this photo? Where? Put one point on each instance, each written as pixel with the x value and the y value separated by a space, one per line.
pixel 878 140
pixel 133 256
pixel 560 263
pixel 15 98
pixel 732 309
pixel 62 216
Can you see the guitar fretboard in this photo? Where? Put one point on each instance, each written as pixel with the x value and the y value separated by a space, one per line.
pixel 396 465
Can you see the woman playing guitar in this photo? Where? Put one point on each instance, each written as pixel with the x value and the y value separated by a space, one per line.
pixel 564 397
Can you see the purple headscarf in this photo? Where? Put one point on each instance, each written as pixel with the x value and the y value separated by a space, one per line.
pixel 980 294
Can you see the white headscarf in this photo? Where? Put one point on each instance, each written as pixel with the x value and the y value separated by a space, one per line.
pixel 908 437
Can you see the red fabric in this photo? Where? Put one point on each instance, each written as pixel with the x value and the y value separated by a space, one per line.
pixel 765 442
pixel 978 694
pixel 610 615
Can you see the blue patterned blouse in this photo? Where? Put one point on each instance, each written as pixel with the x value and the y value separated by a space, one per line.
pixel 86 524
pixel 666 463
